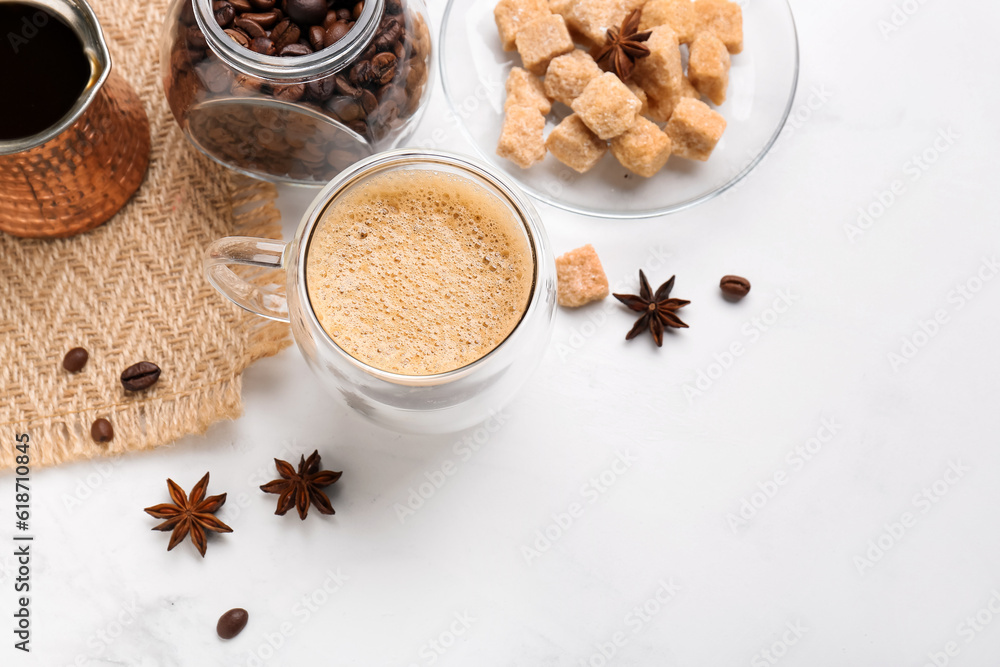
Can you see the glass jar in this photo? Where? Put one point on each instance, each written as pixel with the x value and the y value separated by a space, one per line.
pixel 298 119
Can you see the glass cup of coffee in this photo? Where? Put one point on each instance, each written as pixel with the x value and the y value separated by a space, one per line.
pixel 420 288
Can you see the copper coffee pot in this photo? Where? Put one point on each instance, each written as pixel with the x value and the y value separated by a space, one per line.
pixel 76 174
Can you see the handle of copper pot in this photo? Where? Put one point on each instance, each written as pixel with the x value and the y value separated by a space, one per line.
pixel 247 251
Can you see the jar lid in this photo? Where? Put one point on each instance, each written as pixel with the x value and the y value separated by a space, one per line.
pixel 292 68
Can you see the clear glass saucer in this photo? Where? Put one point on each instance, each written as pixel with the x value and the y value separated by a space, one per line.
pixel 762 86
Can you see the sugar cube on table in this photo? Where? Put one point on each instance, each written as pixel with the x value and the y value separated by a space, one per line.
pixel 678 14
pixel 542 40
pixel 660 73
pixel 512 15
pixel 695 129
pixel 569 74
pixel 526 90
pixel 643 149
pixel 522 138
pixel 708 67
pixel 607 106
pixel 573 144
pixel 723 19
pixel 580 278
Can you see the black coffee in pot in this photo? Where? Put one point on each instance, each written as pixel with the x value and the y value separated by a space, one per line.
pixel 43 68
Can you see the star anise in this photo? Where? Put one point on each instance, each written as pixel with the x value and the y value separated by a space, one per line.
pixel 623 46
pixel 299 489
pixel 657 310
pixel 190 515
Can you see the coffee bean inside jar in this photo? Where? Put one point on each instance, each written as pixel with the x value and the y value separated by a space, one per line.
pixel 297 90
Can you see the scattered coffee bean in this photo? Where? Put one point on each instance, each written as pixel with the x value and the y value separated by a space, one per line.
pixel 232 623
pixel 734 287
pixel 75 359
pixel 101 431
pixel 306 11
pixel 243 6
pixel 142 375
pixel 263 5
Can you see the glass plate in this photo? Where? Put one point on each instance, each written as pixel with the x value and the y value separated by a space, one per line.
pixel 762 84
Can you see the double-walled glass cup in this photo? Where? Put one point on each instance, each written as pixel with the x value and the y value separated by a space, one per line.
pixel 437 403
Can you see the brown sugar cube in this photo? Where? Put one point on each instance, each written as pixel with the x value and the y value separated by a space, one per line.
pixel 521 139
pixel 542 40
pixel 661 74
pixel 581 278
pixel 561 7
pixel 565 9
pixel 524 89
pixel 688 89
pixel 568 75
pixel 723 19
pixel 661 109
pixel 512 15
pixel 592 18
pixel 573 144
pixel 695 129
pixel 607 106
pixel 643 149
pixel 678 14
pixel 641 94
pixel 708 67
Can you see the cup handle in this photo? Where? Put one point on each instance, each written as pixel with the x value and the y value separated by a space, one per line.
pixel 248 251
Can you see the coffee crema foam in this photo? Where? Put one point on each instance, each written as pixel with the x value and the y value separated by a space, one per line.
pixel 419 272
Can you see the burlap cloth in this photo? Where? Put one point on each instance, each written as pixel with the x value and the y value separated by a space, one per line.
pixel 132 290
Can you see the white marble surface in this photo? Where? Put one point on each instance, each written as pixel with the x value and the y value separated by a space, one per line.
pixel 877 548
